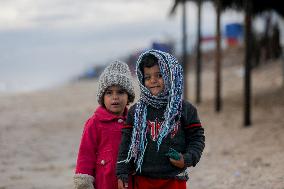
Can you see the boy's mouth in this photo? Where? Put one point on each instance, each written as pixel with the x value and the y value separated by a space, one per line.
pixel 155 87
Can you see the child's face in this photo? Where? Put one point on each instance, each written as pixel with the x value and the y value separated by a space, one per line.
pixel 115 99
pixel 153 80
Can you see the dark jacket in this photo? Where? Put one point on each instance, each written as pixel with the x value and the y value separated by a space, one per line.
pixel 187 138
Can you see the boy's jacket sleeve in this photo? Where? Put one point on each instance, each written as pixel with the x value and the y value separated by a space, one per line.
pixel 123 169
pixel 194 135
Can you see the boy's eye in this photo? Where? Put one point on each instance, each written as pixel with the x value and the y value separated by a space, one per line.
pixel 108 92
pixel 147 78
pixel 160 75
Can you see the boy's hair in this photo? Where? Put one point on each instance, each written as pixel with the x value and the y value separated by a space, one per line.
pixel 118 74
pixel 148 61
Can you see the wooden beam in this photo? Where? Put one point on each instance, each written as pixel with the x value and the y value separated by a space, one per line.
pixel 198 55
pixel 173 9
pixel 184 49
pixel 247 79
pixel 218 86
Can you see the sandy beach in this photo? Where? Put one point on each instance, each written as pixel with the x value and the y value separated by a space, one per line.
pixel 40 132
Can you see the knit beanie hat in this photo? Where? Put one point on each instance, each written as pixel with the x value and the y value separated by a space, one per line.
pixel 117 73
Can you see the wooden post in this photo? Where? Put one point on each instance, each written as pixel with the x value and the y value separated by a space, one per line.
pixel 198 55
pixel 282 58
pixel 218 103
pixel 247 79
pixel 184 49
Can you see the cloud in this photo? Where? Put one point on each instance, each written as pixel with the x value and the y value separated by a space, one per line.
pixel 60 38
pixel 90 28
pixel 20 14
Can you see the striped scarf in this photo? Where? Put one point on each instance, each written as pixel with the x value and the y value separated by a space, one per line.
pixel 171 97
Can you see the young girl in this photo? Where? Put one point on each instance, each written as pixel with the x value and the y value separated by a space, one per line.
pixel 164 135
pixel 101 137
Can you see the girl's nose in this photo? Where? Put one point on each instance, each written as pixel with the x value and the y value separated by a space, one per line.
pixel 115 96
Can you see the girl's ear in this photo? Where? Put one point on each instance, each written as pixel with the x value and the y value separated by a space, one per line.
pixel 103 103
pixel 128 100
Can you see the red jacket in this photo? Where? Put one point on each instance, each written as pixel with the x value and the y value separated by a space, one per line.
pixel 99 148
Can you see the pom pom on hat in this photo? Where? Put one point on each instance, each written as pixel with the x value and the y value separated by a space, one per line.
pixel 117 73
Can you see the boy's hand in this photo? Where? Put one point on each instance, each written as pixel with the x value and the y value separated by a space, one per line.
pixel 122 185
pixel 178 163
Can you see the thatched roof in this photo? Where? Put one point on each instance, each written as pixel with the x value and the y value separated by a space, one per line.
pixel 258 6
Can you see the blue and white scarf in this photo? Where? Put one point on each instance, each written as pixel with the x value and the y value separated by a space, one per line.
pixel 171 97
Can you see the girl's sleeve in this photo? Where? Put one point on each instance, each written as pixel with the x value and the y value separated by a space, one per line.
pixel 87 150
pixel 123 169
pixel 194 135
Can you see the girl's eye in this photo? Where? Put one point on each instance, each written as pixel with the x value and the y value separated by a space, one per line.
pixel 160 75
pixel 108 92
pixel 121 92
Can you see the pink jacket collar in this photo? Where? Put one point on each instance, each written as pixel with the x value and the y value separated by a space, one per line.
pixel 103 115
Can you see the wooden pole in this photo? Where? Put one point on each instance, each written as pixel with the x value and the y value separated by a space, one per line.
pixel 184 48
pixel 198 55
pixel 218 103
pixel 282 71
pixel 247 79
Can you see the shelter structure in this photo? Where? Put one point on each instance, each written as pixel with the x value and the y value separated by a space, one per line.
pixel 251 8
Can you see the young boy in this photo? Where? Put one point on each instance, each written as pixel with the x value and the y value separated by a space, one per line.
pixel 96 162
pixel 163 134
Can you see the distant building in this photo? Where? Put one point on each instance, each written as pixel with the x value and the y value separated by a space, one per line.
pixel 163 46
pixel 131 61
pixel 93 72
pixel 234 34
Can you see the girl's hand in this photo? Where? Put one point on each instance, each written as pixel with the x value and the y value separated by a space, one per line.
pixel 122 185
pixel 178 163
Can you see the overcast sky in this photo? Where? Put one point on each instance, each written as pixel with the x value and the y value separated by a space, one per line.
pixel 75 34
pixel 103 27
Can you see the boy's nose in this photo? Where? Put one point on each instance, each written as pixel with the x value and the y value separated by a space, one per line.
pixel 153 80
